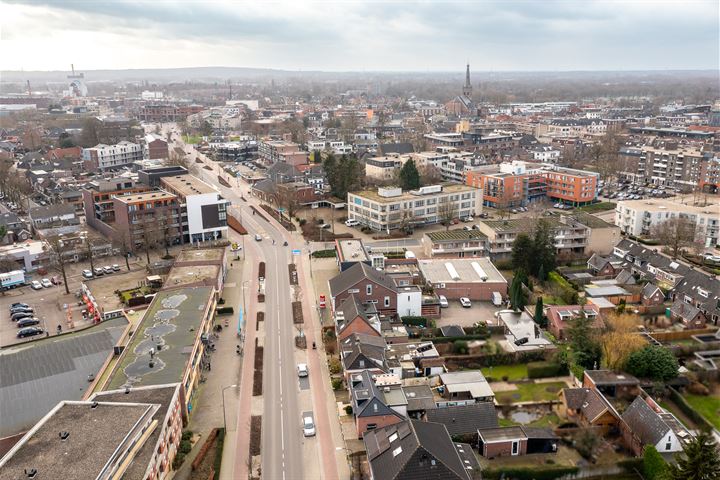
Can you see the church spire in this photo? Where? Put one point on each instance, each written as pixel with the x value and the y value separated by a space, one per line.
pixel 467 88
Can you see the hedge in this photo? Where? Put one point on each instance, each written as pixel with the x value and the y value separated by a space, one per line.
pixel 545 369
pixel 330 253
pixel 225 310
pixel 688 410
pixel 653 466
pixel 530 473
pixel 568 293
pixel 631 465
pixel 417 321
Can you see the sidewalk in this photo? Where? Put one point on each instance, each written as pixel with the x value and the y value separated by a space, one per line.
pixel 226 366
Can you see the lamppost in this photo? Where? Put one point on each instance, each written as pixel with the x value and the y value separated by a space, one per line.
pixel 223 401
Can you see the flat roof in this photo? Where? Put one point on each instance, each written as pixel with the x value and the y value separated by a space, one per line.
pixel 200 255
pixel 460 270
pixel 663 205
pixel 352 250
pixel 95 434
pixel 187 185
pixel 35 376
pixel 519 224
pixel 502 434
pixel 406 195
pixel 173 320
pixel 458 234
pixel 192 274
pixel 604 291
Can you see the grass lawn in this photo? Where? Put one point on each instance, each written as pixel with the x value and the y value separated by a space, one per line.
pixel 550 300
pixel 531 392
pixel 128 294
pixel 708 407
pixel 550 420
pixel 192 139
pixel 513 372
pixel 598 207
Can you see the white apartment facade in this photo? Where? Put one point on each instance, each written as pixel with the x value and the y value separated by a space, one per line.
pixel 107 157
pixel 392 209
pixel 641 217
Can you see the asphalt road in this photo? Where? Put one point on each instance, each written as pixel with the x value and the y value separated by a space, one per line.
pixel 283 451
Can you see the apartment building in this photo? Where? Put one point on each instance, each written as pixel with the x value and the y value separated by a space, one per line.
pixel 384 168
pixel 518 183
pixel 98 201
pixel 158 113
pixel 573 127
pixel 155 147
pixel 391 209
pixel 148 217
pixel 671 165
pixel 273 151
pixel 107 157
pixel 710 174
pixel 577 234
pixel 641 217
pixel 204 210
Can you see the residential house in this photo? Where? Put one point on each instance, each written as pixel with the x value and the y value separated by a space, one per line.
pixel 560 318
pixel 360 352
pixel 688 315
pixel 474 278
pixel 644 425
pixel 522 334
pixel 369 406
pixel 353 317
pixel 15 227
pixel 454 244
pixel 373 286
pixel 414 450
pixel 465 419
pixel 651 295
pixel 602 266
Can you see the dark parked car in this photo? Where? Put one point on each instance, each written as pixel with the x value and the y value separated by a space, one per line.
pixel 29 332
pixel 19 304
pixel 28 322
pixel 20 315
pixel 21 310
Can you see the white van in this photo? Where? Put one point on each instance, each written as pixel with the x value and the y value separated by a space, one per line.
pixel 497 299
pixel 351 222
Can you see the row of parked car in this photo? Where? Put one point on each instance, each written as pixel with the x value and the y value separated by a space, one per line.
pixel 44 283
pixel 100 271
pixel 24 317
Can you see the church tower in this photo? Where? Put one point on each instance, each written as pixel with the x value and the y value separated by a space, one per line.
pixel 467 88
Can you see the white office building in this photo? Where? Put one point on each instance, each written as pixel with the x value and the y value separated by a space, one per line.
pixel 108 157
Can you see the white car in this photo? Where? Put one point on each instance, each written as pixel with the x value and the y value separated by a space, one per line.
pixel 443 301
pixel 46 283
pixel 115 267
pixel 87 274
pixel 711 257
pixel 308 425
pixel 36 285
pixel 302 369
pixel 351 222
pixel 465 302
pixel 258 238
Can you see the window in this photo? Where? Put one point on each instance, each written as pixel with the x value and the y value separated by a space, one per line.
pixel 515 448
pixel 397 451
pixel 668 445
pixel 393 437
pixel 368 289
pixel 387 301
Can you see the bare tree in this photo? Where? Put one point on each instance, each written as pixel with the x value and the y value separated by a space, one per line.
pixel 124 244
pixel 182 160
pixel 676 234
pixel 58 248
pixel 429 174
pixel 446 213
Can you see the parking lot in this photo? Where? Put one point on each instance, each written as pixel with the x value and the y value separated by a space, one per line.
pixel 51 305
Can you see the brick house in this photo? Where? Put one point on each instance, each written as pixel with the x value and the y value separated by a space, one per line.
pixel 360 352
pixel 373 286
pixel 688 315
pixel 515 440
pixel 353 317
pixel 651 295
pixel 643 424
pixel 369 406
pixel 602 266
pixel 560 318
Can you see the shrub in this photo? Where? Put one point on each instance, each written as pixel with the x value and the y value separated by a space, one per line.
pixel 302 222
pixel 221 301
pixel 460 347
pixel 336 383
pixel 585 443
pixel 329 253
pixel 545 369
pixel 653 465
pixel 697 388
pixel 416 321
pixel 505 378
pixel 348 409
pixel 334 365
pixel 653 362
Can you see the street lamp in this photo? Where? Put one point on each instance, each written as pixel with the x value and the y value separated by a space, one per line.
pixel 223 401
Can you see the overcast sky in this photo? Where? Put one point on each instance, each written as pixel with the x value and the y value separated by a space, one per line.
pixel 361 35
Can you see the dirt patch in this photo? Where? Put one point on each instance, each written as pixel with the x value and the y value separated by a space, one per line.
pixel 314 233
pixel 255 434
pixel 297 312
pixel 292 270
pixel 301 342
pixel 257 375
pixel 260 318
pixel 287 224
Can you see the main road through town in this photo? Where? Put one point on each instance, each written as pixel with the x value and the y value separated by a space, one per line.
pixel 285 452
